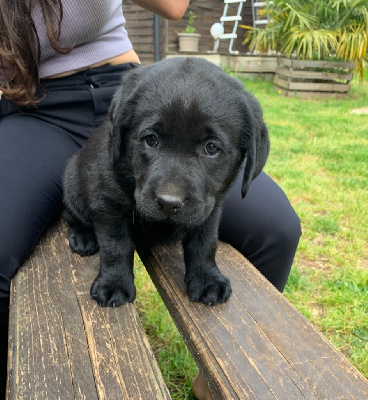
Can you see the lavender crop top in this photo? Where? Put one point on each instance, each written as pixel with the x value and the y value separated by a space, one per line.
pixel 96 29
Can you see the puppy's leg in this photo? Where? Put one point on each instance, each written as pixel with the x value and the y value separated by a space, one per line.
pixel 204 280
pixel 82 237
pixel 114 284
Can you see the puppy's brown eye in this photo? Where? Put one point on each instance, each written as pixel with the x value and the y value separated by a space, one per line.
pixel 210 149
pixel 151 140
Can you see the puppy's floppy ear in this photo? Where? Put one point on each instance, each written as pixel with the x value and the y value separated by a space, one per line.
pixel 121 113
pixel 257 142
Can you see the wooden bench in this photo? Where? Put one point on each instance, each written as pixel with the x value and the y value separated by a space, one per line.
pixel 62 345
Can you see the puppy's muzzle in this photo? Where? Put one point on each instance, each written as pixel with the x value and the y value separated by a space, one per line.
pixel 169 204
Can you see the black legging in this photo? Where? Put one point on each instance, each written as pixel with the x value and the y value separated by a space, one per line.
pixel 34 146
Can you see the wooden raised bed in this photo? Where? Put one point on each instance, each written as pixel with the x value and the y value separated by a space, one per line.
pixel 313 78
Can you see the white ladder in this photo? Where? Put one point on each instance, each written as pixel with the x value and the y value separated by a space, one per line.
pixel 255 6
pixel 225 18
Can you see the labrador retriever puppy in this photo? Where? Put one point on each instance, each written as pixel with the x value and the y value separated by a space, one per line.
pixel 158 170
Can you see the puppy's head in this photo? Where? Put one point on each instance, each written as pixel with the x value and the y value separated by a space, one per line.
pixel 184 127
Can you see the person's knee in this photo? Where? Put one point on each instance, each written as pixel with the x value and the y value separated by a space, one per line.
pixel 272 250
pixel 287 233
pixel 274 235
pixel 276 261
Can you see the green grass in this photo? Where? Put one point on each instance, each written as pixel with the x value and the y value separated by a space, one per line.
pixel 319 156
pixel 175 361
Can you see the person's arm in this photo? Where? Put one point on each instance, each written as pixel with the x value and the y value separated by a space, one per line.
pixel 170 9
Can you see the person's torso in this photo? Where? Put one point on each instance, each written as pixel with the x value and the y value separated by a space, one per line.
pixel 94 28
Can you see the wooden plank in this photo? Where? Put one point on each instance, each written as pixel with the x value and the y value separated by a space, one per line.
pixel 257 345
pixel 310 86
pixel 145 31
pixel 312 75
pixel 289 62
pixel 283 83
pixel 320 87
pixel 62 345
pixel 309 95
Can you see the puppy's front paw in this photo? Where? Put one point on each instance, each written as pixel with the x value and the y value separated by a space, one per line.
pixel 210 288
pixel 83 241
pixel 112 293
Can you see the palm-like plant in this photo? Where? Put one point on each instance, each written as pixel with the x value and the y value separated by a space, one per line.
pixel 314 29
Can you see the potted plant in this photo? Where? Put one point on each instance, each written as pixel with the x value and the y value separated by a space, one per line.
pixel 321 35
pixel 188 39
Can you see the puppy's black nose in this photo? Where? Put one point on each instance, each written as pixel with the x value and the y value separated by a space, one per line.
pixel 169 204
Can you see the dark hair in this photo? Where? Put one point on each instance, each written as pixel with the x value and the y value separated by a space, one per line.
pixel 20 47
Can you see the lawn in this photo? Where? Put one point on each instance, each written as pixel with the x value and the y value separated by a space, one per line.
pixel 319 156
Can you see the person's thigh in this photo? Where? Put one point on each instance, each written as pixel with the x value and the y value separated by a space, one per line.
pixel 263 227
pixel 32 158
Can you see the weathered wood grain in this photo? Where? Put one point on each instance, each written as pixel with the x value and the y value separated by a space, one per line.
pixel 63 345
pixel 299 64
pixel 311 86
pixel 320 78
pixel 308 95
pixel 313 75
pixel 257 345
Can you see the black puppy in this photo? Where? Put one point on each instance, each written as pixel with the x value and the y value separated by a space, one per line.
pixel 159 169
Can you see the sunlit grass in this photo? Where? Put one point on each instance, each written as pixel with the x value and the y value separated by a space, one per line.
pixel 174 359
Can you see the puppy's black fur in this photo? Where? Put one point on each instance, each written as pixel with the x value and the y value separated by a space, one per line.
pixel 158 170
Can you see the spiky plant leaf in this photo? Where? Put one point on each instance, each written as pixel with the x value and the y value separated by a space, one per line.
pixel 311 29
